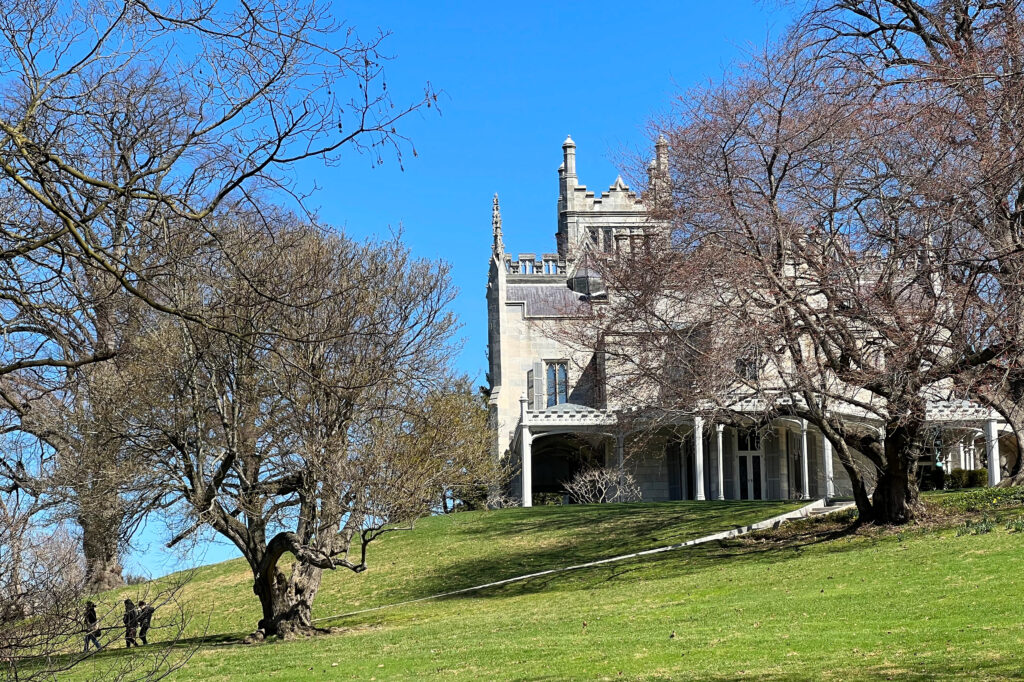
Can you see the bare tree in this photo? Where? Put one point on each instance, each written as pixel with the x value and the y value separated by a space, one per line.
pixel 805 274
pixel 42 589
pixel 78 467
pixel 318 414
pixel 123 122
pixel 960 61
pixel 126 129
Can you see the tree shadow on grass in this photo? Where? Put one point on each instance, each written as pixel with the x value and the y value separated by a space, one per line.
pixel 522 541
pixel 762 548
pixel 115 651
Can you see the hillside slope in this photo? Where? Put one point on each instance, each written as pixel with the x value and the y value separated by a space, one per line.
pixel 813 601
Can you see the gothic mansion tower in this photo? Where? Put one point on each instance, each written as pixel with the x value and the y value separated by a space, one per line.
pixel 554 417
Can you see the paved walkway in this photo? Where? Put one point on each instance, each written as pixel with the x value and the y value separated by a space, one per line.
pixel 773 522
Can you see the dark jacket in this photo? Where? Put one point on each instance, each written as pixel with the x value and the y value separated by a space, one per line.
pixel 131 617
pixel 145 616
pixel 91 621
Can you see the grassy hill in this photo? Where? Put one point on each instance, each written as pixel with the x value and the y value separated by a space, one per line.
pixel 811 601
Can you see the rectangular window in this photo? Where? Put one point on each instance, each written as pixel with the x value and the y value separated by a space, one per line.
pixel 529 390
pixel 748 440
pixel 607 240
pixel 748 368
pixel 558 389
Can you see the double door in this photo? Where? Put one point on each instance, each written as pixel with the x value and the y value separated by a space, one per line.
pixel 750 476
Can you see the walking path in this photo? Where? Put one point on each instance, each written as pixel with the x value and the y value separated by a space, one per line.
pixel 817 507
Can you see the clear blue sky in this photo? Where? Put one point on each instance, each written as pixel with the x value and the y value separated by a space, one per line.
pixel 516 79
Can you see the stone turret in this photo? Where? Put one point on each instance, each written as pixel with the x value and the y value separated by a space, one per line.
pixel 589 221
pixel 658 186
pixel 498 247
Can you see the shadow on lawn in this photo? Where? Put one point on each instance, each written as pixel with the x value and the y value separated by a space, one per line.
pixel 143 661
pixel 570 539
pixel 520 541
pixel 763 548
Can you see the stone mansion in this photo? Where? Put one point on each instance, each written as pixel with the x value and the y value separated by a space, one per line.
pixel 553 419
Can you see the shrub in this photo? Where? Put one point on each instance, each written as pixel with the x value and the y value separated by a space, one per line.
pixel 603 484
pixel 977 478
pixel 499 500
pixel 958 479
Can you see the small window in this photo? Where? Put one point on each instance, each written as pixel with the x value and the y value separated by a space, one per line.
pixel 608 240
pixel 748 369
pixel 748 440
pixel 558 390
pixel 594 237
pixel 529 390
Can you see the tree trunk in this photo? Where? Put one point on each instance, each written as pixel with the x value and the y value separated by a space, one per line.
pixel 100 544
pixel 895 500
pixel 287 601
pixel 865 510
pixel 842 450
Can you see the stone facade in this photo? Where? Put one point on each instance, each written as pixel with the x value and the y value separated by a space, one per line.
pixel 548 399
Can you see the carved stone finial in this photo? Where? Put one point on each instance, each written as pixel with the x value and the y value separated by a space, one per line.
pixel 499 245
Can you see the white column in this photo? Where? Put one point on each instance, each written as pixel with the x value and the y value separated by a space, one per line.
pixel 620 448
pixel 826 456
pixel 992 450
pixel 970 455
pixel 960 463
pixel 805 484
pixel 719 428
pixel 698 456
pixel 526 451
pixel 525 455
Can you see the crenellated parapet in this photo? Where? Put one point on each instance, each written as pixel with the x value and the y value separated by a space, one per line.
pixel 593 221
pixel 530 264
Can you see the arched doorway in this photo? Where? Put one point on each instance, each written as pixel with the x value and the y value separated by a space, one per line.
pixel 557 458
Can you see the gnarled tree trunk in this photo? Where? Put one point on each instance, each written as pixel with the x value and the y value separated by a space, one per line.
pixel 895 499
pixel 287 601
pixel 101 547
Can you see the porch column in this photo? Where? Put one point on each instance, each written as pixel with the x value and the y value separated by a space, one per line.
pixel 992 450
pixel 960 463
pixel 698 456
pixel 620 448
pixel 719 428
pixel 805 485
pixel 826 455
pixel 970 456
pixel 526 455
pixel 526 451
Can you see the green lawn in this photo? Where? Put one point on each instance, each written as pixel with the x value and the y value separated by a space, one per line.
pixel 810 602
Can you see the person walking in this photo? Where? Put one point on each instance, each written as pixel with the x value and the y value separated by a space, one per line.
pixel 145 619
pixel 92 626
pixel 131 620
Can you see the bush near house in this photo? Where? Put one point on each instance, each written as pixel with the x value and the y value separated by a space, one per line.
pixel 958 479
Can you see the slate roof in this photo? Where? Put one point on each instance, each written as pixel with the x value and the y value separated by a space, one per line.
pixel 546 300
